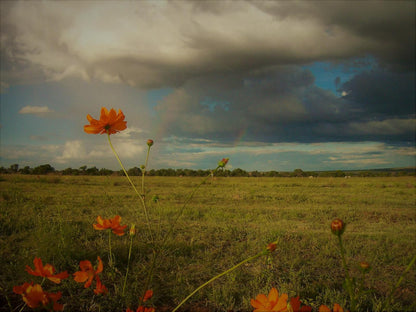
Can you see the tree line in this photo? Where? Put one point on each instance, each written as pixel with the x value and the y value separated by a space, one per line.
pixel 238 172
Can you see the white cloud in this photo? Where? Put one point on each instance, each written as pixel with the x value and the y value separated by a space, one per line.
pixel 35 110
pixel 72 150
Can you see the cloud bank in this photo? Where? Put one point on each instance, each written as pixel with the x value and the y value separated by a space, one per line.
pixel 237 71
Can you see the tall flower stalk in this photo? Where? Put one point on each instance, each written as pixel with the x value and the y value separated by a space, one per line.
pixel 271 247
pixel 146 213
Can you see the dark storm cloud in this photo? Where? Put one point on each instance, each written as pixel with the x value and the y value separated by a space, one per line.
pixel 235 66
pixel 388 27
pixel 382 93
pixel 157 44
pixel 283 105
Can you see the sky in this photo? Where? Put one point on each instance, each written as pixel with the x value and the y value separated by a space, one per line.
pixel 273 85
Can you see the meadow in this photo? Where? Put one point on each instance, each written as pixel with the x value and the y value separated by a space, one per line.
pixel 227 221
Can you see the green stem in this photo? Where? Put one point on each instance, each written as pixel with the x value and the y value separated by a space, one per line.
pixel 388 300
pixel 144 170
pixel 149 276
pixel 128 264
pixel 218 276
pixel 164 241
pixel 109 248
pixel 347 275
pixel 134 187
pixel 190 196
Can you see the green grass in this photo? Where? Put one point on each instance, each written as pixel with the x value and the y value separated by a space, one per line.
pixel 227 221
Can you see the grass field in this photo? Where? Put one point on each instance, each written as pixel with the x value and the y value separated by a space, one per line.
pixel 227 221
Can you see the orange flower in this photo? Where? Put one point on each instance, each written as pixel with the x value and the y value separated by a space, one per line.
pixel 46 271
pixel 295 305
pixel 87 272
pixel 270 303
pixel 113 224
pixel 99 288
pixel 34 296
pixel 337 308
pixel 337 227
pixel 148 295
pixel 271 247
pixel 150 142
pixel 141 309
pixel 110 122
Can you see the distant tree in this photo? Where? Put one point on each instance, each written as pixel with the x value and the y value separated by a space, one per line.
pixel 26 170
pixel 92 171
pixel 238 172
pixel 299 173
pixel 70 171
pixel 43 169
pixel 135 171
pixel 105 172
pixel 339 174
pixel 14 168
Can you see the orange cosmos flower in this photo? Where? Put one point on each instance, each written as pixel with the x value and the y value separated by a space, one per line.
pixel 113 224
pixel 148 295
pixel 141 309
pixel 87 272
pixel 270 303
pixel 34 297
pixel 99 287
pixel 337 308
pixel 46 271
pixel 295 305
pixel 110 122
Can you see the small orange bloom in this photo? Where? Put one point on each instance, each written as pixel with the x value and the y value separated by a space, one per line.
pixel 99 287
pixel 337 227
pixel 113 224
pixel 150 142
pixel 148 295
pixel 46 271
pixel 271 247
pixel 141 309
pixel 295 305
pixel 337 308
pixel 110 122
pixel 34 296
pixel 270 303
pixel 87 272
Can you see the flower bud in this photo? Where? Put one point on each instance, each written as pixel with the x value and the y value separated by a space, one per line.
pixel 132 230
pixel 337 227
pixel 271 247
pixel 149 142
pixel 365 266
pixel 223 162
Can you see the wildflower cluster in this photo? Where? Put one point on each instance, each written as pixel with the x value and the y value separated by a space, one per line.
pixel 87 274
pixel 273 302
pixel 33 294
pixel 35 297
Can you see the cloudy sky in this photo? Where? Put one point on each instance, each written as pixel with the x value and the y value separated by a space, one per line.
pixel 273 85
